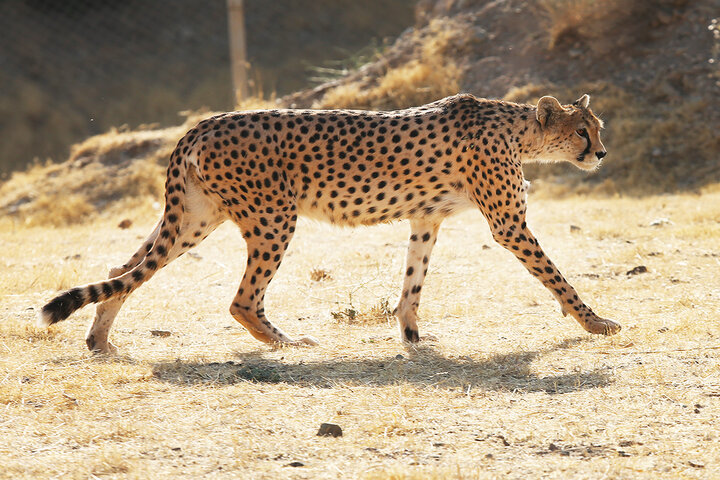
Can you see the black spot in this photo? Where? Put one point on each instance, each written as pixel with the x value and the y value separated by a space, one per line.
pixel 93 294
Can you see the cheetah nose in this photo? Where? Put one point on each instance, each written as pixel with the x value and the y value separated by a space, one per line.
pixel 600 155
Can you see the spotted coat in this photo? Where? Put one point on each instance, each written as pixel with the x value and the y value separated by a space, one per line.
pixel 261 169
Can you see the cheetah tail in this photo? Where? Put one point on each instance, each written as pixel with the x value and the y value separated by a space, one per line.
pixel 62 306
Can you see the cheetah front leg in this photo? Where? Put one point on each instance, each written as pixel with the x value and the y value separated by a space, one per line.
pixel 423 235
pixel 518 239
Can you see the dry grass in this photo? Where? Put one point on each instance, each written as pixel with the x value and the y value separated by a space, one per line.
pixel 590 22
pixel 510 389
pixel 429 76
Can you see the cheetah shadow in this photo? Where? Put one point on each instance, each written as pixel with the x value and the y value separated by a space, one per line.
pixel 422 366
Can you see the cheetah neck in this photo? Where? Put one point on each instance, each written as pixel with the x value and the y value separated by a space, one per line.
pixel 514 126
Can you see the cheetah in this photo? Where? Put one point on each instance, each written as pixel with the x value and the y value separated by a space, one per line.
pixel 261 169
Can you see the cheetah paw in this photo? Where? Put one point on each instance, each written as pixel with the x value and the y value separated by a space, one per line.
pixel 603 326
pixel 306 341
pixel 107 349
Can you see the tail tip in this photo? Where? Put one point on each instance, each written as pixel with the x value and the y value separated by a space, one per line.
pixel 60 307
pixel 44 318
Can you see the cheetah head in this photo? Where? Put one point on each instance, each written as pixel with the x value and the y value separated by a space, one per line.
pixel 571 133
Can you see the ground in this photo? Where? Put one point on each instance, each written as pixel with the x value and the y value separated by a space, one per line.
pixel 510 389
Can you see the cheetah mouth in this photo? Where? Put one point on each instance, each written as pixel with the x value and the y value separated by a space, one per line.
pixel 592 165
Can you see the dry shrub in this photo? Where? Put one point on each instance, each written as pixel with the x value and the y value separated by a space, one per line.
pixel 605 25
pixel 430 76
pixel 320 274
pixel 59 210
pixel 417 82
pixel 377 314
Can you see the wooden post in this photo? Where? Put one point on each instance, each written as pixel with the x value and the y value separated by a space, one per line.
pixel 238 62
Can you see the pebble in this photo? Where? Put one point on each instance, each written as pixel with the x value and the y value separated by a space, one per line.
pixel 329 430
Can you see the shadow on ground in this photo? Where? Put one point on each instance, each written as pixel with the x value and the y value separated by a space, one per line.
pixel 422 366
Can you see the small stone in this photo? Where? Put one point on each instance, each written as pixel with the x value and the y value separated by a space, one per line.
pixel 125 224
pixel 160 333
pixel 486 247
pixel 637 270
pixel 659 222
pixel 329 430
pixel 399 357
pixel 575 228
pixel 552 447
pixel 294 464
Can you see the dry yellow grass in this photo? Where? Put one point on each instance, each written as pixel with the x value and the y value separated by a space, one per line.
pixel 589 21
pixel 428 77
pixel 510 390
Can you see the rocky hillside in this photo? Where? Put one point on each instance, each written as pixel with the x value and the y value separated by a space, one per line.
pixel 651 68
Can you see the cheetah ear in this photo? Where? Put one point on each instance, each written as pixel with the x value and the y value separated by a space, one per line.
pixel 547 106
pixel 583 101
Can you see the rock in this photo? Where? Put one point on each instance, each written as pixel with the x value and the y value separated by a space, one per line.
pixel 127 223
pixel 637 270
pixel 575 228
pixel 160 333
pixel 399 357
pixel 659 222
pixel 329 430
pixel 294 464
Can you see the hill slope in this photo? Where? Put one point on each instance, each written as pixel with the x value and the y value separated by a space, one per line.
pixel 650 67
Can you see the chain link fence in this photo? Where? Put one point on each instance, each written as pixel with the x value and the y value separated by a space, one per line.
pixel 73 68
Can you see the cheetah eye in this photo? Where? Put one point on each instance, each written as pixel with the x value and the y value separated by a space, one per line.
pixel 581 132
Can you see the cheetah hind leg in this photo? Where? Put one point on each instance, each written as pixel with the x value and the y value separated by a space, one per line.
pixel 266 247
pixel 200 219
pixel 96 337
